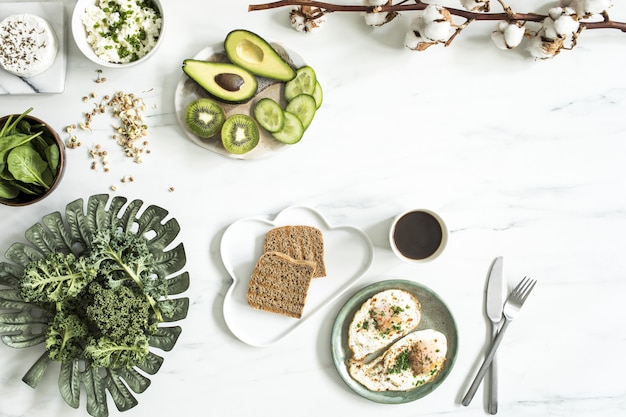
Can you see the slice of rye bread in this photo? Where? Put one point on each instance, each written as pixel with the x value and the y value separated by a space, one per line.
pixel 299 242
pixel 280 284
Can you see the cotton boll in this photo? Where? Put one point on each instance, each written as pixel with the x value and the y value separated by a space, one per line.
pixel 303 18
pixel 586 8
pixel 378 19
pixel 498 40
pixel 596 6
pixel 541 48
pixel 413 38
pixel 476 5
pixel 548 30
pixel 415 41
pixel 437 23
pixel 514 34
pixel 434 13
pixel 556 12
pixel 298 22
pixel 508 35
pixel 437 31
pixel 566 25
pixel 536 49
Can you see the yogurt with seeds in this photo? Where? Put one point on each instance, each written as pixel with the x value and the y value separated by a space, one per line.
pixel 122 31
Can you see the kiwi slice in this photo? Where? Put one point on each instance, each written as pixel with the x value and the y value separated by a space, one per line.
pixel 292 130
pixel 240 134
pixel 204 117
pixel 269 114
pixel 303 83
pixel 304 107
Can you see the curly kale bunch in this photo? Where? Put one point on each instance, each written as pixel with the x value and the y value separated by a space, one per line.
pixel 121 320
pixel 66 335
pixel 106 303
pixel 56 278
pixel 123 258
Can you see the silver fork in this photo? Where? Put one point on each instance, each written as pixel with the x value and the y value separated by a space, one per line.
pixel 511 309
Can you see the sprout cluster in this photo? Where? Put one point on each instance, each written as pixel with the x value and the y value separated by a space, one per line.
pixel 543 36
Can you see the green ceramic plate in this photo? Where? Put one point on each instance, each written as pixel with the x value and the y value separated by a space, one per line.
pixel 435 315
pixel 23 325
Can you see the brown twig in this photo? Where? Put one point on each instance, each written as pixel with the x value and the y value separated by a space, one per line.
pixel 402 6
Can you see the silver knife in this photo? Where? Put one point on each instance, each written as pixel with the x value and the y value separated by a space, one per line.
pixel 494 302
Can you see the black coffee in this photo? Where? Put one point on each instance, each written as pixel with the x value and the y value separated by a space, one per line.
pixel 417 235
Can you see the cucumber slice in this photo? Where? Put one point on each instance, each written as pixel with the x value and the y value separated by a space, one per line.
pixel 304 107
pixel 292 131
pixel 269 114
pixel 318 94
pixel 302 83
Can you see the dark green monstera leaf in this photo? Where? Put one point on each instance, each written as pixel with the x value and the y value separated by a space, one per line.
pixel 24 325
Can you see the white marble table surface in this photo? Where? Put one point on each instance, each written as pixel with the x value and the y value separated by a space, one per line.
pixel 521 158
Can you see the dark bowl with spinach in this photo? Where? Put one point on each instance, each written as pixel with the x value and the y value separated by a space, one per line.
pixel 32 159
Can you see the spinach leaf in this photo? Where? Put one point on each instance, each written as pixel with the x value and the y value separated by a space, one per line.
pixel 24 127
pixel 7 190
pixel 6 127
pixel 28 189
pixel 27 166
pixel 53 156
pixel 10 124
pixel 13 141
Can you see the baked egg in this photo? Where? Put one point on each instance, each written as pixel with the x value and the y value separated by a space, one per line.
pixel 410 362
pixel 382 319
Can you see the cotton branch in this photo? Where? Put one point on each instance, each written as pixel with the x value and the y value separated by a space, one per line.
pixel 402 6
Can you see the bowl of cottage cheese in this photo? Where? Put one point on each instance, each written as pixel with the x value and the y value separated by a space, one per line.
pixel 117 33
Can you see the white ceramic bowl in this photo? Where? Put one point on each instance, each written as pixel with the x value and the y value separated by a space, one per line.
pixel 80 36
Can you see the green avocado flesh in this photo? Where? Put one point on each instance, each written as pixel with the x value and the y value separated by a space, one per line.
pixel 224 81
pixel 250 51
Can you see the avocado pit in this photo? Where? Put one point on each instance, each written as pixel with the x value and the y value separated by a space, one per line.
pixel 229 81
pixel 224 81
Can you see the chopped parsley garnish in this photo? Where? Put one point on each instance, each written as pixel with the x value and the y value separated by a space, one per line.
pixel 402 363
pixel 397 309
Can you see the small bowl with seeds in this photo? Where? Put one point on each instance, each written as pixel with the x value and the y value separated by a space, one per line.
pixel 117 33
pixel 32 159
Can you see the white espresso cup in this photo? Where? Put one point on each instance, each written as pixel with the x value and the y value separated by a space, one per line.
pixel 418 235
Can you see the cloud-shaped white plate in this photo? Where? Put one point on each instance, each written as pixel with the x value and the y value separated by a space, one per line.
pixel 348 255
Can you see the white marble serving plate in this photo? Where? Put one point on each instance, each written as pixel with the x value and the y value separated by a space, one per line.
pixel 53 79
pixel 348 255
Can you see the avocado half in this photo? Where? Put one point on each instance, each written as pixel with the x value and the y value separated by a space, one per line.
pixel 224 81
pixel 252 52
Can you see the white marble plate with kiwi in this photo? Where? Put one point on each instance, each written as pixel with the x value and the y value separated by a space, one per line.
pixel 188 90
pixel 348 256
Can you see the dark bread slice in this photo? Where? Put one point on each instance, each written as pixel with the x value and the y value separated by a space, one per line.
pixel 280 284
pixel 299 242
